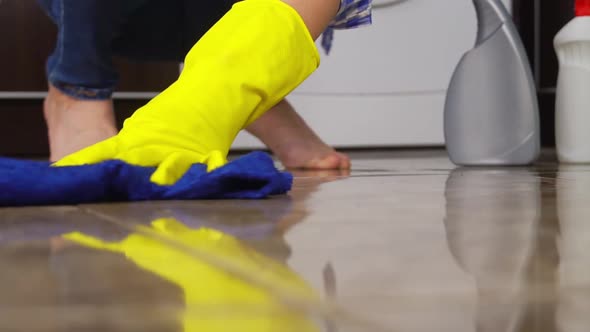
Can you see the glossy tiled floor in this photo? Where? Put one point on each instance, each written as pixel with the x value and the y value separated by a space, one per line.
pixel 405 242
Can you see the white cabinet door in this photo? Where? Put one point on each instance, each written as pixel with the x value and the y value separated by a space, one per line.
pixel 385 85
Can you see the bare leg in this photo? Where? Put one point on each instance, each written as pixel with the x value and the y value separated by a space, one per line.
pixel 296 145
pixel 75 124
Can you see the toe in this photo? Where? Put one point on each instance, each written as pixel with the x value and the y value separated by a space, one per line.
pixel 331 161
pixel 345 162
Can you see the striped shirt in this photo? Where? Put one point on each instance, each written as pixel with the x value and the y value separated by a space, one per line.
pixel 352 14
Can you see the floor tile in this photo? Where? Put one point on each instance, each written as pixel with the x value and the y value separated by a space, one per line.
pixel 405 241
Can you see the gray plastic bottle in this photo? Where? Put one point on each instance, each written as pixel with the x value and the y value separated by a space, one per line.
pixel 491 112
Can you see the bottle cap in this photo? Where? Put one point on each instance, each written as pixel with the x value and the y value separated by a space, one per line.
pixel 582 7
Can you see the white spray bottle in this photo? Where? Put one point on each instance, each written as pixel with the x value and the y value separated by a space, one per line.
pixel 572 109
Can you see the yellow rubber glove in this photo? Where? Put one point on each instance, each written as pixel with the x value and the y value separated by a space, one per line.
pixel 234 304
pixel 251 59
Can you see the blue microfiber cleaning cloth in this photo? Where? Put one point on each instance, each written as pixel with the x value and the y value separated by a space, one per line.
pixel 33 183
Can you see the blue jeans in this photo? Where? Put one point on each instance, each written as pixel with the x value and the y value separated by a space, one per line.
pixel 91 32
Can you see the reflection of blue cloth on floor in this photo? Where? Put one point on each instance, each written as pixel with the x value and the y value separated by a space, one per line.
pixel 25 183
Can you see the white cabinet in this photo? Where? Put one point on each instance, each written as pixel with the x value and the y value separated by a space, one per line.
pixel 385 85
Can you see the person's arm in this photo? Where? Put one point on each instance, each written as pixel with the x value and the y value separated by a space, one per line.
pixel 317 14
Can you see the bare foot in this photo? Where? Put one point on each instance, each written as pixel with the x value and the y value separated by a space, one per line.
pixel 75 124
pixel 296 145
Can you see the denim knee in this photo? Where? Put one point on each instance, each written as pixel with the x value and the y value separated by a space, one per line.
pixel 81 63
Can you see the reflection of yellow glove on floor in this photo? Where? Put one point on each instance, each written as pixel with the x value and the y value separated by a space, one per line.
pixel 234 304
pixel 251 59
